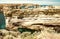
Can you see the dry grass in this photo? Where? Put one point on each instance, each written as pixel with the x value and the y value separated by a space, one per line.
pixel 44 34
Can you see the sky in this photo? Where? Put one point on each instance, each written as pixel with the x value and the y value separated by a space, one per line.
pixel 41 2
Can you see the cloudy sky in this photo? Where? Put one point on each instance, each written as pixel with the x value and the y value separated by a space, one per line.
pixel 42 2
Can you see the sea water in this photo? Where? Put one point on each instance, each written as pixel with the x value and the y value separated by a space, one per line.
pixel 2 21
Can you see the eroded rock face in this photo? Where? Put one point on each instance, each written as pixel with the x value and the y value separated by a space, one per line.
pixel 35 23
pixel 32 21
pixel 31 17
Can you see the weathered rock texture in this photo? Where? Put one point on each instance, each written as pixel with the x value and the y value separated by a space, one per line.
pixel 42 20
